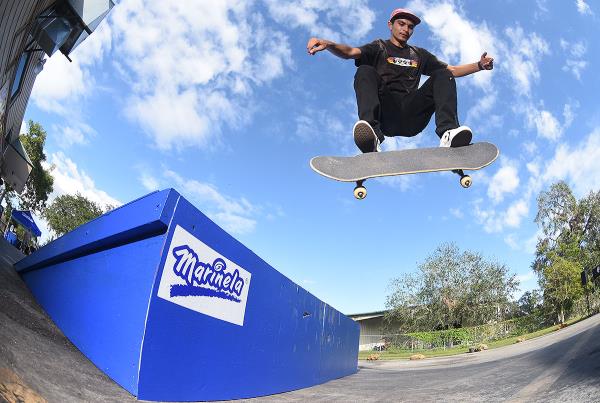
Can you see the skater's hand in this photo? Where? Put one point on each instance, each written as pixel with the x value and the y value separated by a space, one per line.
pixel 486 62
pixel 316 45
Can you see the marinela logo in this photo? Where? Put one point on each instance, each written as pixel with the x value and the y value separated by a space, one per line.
pixel 204 278
pixel 199 278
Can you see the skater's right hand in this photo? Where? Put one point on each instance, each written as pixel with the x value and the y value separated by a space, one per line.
pixel 316 45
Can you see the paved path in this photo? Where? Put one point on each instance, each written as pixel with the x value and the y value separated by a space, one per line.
pixel 560 367
pixel 37 361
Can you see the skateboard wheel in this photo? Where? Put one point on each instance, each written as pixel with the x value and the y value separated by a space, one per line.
pixel 466 181
pixel 360 192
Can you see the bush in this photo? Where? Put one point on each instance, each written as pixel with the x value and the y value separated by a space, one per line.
pixel 464 337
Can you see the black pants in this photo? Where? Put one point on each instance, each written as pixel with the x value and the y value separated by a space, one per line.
pixel 393 114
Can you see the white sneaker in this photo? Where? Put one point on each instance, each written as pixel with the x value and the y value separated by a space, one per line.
pixel 365 138
pixel 461 136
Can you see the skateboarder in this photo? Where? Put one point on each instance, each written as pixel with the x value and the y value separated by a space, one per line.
pixel 390 102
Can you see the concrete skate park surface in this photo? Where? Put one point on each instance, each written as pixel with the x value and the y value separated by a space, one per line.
pixel 37 363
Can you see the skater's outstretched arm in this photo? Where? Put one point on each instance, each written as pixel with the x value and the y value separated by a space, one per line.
pixel 340 50
pixel 485 63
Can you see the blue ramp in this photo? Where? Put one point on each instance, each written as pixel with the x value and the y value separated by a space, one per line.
pixel 171 307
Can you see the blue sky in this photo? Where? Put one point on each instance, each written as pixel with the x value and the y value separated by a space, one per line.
pixel 220 101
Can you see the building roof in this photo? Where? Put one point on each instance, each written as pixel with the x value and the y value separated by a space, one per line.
pixel 367 315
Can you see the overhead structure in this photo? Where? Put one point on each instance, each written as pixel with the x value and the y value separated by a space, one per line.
pixel 31 31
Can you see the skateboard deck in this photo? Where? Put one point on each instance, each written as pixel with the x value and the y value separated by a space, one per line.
pixel 403 162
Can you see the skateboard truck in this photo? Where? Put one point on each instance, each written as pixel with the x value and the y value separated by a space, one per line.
pixel 465 180
pixel 360 192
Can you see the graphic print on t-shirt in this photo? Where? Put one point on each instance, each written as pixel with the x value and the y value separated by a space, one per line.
pixel 400 61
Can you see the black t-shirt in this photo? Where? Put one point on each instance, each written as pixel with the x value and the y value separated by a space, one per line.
pixel 400 68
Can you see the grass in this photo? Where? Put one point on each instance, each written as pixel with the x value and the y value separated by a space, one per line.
pixel 405 354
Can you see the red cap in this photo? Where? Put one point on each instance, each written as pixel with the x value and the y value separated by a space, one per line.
pixel 404 13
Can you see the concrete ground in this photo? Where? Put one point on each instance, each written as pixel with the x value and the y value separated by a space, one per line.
pixel 37 363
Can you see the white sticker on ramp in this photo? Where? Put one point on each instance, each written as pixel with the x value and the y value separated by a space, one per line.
pixel 197 277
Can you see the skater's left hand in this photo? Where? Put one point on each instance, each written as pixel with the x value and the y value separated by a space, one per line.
pixel 486 62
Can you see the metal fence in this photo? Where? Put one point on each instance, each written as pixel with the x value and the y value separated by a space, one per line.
pixel 445 339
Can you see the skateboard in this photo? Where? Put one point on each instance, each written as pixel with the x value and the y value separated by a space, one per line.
pixel 403 162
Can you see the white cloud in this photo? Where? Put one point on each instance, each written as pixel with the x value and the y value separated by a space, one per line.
pixel 516 212
pixel 235 215
pixel 190 80
pixel 331 125
pixel 406 143
pixel 71 136
pixel 569 113
pixel 172 117
pixel 494 220
pixel 505 180
pixel 482 111
pixel 461 41
pixel 458 213
pixel 69 179
pixel 149 182
pixel 44 228
pixel 313 123
pixel 337 20
pixel 574 63
pixel 575 67
pixel 527 245
pixel 174 63
pixel 583 8
pixel 542 9
pixel 578 49
pixel 522 58
pixel 401 182
pixel 60 84
pixel 75 133
pixel 185 86
pixel 530 147
pixel 526 277
pixel 578 165
pixel 544 122
pixel 512 242
pixel 527 281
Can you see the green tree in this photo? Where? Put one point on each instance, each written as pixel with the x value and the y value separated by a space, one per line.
pixel 589 208
pixel 561 284
pixel 68 212
pixel 530 303
pixel 569 243
pixel 451 289
pixel 40 183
